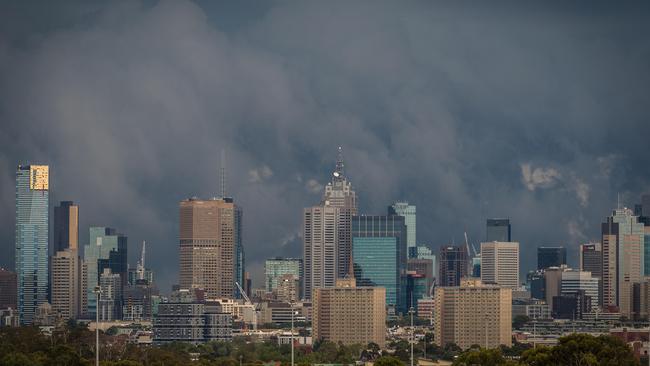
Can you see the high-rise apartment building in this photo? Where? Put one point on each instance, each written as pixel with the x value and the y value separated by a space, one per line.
pixel 575 281
pixel 320 247
pixel 550 257
pixel 500 263
pixel 66 287
pixel 622 248
pixel 453 265
pixel 498 230
pixel 110 299
pixel 106 249
pixel 473 313
pixel 379 254
pixel 287 288
pixel 591 260
pixel 210 231
pixel 339 193
pixel 66 226
pixel 350 314
pixel 32 213
pixel 275 268
pixel 409 213
pixel 8 289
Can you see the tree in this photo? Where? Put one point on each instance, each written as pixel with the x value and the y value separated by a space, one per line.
pixel 519 321
pixel 582 350
pixel 388 361
pixel 483 357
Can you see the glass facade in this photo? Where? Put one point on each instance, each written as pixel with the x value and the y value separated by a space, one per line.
pixel 498 230
pixel 107 249
pixel 409 213
pixel 550 257
pixel 32 223
pixel 379 254
pixel 277 267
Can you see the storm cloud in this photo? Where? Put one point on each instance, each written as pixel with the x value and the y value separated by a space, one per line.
pixel 537 112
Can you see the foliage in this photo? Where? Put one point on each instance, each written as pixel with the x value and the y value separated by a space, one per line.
pixel 519 321
pixel 388 361
pixel 483 357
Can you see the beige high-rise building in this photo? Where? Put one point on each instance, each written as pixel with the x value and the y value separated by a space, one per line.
pixel 350 314
pixel 208 236
pixel 622 251
pixel 320 247
pixel 66 283
pixel 287 288
pixel 473 313
pixel 500 263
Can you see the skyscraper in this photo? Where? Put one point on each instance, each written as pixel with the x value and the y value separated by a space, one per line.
pixel 622 246
pixel 453 265
pixel 66 226
pixel 209 232
pixel 550 257
pixel 320 249
pixel 110 300
pixel 66 286
pixel 379 253
pixel 408 212
pixel 8 288
pixel 106 249
pixel 275 268
pixel 500 263
pixel 498 230
pixel 575 281
pixel 32 206
pixel 591 257
pixel 339 193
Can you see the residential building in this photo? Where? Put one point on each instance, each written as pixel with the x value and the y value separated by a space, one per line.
pixel 66 227
pixel 500 263
pixel 8 289
pixel 379 253
pixel 210 232
pixel 498 230
pixel 350 314
pixel 622 248
pixel 453 265
pixel 110 300
pixel 287 288
pixel 106 249
pixel 277 267
pixel 32 223
pixel 65 281
pixel 320 250
pixel 340 194
pixel 550 257
pixel 473 313
pixel 409 213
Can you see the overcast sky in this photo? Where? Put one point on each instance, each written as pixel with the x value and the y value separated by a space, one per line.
pixel 538 112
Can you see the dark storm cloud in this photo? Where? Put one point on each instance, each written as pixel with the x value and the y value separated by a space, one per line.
pixel 466 110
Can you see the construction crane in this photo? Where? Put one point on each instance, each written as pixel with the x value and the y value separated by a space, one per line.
pixel 467 247
pixel 248 301
pixel 243 293
pixel 140 266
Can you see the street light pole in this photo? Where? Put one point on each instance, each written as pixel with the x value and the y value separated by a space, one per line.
pixel 98 294
pixel 412 333
pixel 291 332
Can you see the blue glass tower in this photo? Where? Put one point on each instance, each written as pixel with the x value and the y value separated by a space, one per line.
pixel 32 207
pixel 379 254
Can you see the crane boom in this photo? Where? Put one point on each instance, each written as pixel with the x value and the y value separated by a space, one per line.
pixel 243 294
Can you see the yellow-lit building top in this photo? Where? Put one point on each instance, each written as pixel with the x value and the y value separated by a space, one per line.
pixel 39 177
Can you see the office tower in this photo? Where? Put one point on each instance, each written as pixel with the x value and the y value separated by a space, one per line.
pixel 277 267
pixel 32 206
pixel 500 263
pixel 339 193
pixel 498 230
pixel 423 267
pixel 591 257
pixel 320 238
pixel 408 212
pixel 424 252
pixel 287 288
pixel 553 283
pixel 350 314
pixel 574 281
pixel 66 226
pixel 240 262
pixel 572 305
pixel 248 284
pixel 8 289
pixel 210 231
pixel 622 246
pixel 106 249
pixel 185 318
pixel 476 266
pixel 537 283
pixel 110 299
pixel 379 254
pixel 453 265
pixel 473 313
pixel 550 257
pixel 66 286
pixel 643 212
pixel 417 288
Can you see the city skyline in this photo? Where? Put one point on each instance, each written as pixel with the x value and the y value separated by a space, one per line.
pixel 456 142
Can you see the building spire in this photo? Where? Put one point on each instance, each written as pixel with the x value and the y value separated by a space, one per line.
pixel 222 173
pixel 339 172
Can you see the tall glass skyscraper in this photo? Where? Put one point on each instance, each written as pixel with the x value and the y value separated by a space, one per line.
pixel 550 257
pixel 32 207
pixel 277 267
pixel 409 214
pixel 106 249
pixel 379 254
pixel 498 230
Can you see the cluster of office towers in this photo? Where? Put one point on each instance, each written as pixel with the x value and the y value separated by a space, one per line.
pixel 63 280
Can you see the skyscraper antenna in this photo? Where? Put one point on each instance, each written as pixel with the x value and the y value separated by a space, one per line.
pixel 340 166
pixel 223 173
pixel 618 200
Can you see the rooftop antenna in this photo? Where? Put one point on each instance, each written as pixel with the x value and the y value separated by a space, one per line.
pixel 223 173
pixel 340 166
pixel 140 267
